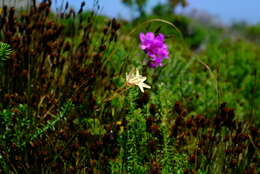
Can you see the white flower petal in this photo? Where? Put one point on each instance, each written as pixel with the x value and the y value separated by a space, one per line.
pixel 134 78
pixel 146 86
pixel 141 87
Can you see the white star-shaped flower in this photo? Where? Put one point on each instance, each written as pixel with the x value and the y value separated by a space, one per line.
pixel 134 78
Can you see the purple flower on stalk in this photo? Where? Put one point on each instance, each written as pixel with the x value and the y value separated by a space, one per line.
pixel 154 47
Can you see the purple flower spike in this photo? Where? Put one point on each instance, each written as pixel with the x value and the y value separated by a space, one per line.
pixel 154 47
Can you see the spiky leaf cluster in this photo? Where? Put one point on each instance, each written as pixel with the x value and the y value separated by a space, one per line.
pixel 5 51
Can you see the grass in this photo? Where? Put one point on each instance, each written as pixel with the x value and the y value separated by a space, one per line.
pixel 64 107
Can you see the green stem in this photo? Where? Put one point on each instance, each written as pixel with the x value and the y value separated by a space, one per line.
pixel 118 92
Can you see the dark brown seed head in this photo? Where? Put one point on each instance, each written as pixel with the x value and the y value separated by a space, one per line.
pixel 155 168
pixel 233 163
pixel 178 107
pixel 153 109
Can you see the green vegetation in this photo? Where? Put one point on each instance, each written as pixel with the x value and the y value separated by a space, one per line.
pixel 66 107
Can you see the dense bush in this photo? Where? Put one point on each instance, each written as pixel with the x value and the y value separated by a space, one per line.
pixel 67 107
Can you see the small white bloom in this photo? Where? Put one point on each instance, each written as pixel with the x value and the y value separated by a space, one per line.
pixel 134 78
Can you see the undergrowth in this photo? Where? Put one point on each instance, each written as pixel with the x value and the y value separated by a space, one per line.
pixel 66 106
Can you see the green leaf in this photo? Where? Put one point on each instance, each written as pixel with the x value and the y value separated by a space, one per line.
pixel 5 51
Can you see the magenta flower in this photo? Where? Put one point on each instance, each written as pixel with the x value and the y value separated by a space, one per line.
pixel 154 47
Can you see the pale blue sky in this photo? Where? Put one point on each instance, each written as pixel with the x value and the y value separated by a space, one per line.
pixel 226 10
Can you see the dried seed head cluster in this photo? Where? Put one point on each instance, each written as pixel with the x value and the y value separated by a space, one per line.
pixel 46 69
pixel 67 57
pixel 236 138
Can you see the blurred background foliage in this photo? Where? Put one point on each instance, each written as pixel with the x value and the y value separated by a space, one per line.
pixel 169 7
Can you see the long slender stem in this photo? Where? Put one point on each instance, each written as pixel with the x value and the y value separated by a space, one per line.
pixel 118 92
